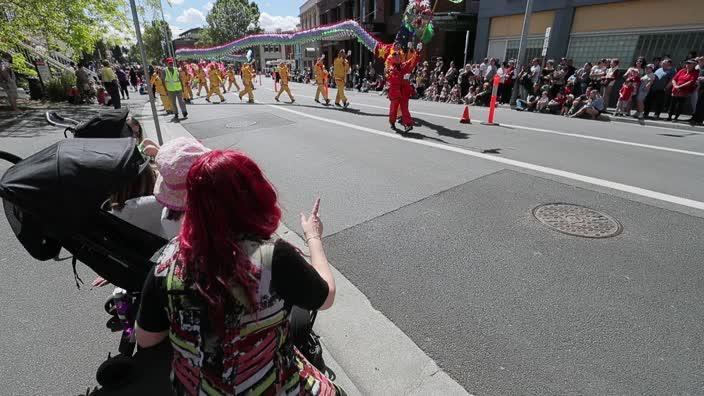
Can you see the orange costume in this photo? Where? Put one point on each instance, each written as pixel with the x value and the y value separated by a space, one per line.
pixel 321 80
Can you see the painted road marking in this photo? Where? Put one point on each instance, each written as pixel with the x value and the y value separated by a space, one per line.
pixel 549 131
pixel 362 95
pixel 519 164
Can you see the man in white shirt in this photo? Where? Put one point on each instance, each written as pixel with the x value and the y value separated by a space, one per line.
pixel 535 71
pixel 483 67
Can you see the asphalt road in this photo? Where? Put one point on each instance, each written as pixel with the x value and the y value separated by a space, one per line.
pixel 436 229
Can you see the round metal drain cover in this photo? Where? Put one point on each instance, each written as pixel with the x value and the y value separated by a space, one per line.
pixel 240 124
pixel 577 220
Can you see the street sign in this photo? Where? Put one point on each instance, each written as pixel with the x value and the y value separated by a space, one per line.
pixel 546 40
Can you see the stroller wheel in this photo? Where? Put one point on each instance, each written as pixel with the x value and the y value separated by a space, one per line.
pixel 110 306
pixel 115 372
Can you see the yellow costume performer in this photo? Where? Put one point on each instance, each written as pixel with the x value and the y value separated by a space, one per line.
pixel 161 90
pixel 247 76
pixel 342 67
pixel 215 80
pixel 321 80
pixel 186 78
pixel 231 78
pixel 223 78
pixel 284 76
pixel 200 75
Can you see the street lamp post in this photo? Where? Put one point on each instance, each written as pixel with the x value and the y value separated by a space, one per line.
pixel 521 51
pixel 140 44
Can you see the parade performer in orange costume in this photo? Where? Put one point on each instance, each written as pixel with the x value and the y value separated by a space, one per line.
pixel 215 80
pixel 231 78
pixel 321 80
pixel 186 77
pixel 202 79
pixel 248 74
pixel 285 75
pixel 341 68
pixel 400 89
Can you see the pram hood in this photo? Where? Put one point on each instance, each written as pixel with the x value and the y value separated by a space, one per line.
pixel 66 182
pixel 107 124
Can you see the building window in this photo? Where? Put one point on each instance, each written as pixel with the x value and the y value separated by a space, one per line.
pixel 676 45
pixel 592 48
pixel 628 47
pixel 534 48
pixel 397 6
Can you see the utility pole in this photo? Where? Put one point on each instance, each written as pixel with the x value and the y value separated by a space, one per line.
pixel 140 44
pixel 521 50
pixel 466 45
pixel 169 47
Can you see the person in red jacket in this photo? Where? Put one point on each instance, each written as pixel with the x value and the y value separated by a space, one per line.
pixel 683 84
pixel 400 89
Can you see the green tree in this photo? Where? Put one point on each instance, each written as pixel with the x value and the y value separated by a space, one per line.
pixel 77 24
pixel 154 38
pixel 229 20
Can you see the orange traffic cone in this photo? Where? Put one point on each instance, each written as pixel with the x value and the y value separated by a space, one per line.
pixel 465 116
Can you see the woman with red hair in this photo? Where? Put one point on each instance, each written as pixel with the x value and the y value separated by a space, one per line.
pixel 223 290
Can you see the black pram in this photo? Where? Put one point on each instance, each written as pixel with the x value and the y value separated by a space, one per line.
pixel 54 199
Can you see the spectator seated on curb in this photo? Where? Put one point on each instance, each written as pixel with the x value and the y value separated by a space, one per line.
pixel 527 105
pixel 542 105
pixel 483 96
pixel 567 107
pixel 455 95
pixel 471 96
pixel 557 104
pixel 592 108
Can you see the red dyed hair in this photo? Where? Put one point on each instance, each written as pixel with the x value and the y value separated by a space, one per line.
pixel 229 200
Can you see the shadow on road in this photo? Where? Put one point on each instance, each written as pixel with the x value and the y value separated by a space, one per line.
pixel 442 130
pixel 417 136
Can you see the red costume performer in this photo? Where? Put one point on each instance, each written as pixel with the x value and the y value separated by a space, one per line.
pixel 400 89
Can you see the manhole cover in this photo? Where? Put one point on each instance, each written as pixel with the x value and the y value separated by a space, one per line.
pixel 577 220
pixel 240 124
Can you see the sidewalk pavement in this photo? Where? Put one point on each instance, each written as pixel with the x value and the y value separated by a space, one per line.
pixel 366 352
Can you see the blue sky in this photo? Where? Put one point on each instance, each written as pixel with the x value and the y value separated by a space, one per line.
pixel 186 14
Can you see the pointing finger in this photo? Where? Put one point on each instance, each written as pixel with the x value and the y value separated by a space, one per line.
pixel 316 207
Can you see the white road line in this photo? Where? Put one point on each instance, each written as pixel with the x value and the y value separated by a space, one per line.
pixel 675 130
pixel 519 164
pixel 549 131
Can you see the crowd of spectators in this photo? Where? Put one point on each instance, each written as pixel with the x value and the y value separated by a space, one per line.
pixel 642 89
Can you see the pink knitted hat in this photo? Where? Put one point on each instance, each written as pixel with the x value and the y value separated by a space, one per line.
pixel 173 161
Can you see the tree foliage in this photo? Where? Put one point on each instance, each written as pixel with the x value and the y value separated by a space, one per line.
pixel 77 24
pixel 154 37
pixel 229 20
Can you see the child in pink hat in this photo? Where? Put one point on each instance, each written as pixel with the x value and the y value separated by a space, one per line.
pixel 173 162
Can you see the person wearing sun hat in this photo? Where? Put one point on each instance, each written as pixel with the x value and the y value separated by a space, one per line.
pixel 162 213
pixel 173 161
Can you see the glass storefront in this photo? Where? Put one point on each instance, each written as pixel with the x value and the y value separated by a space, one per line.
pixel 534 47
pixel 629 46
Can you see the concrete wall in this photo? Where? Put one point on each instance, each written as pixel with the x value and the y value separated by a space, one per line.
pixel 504 18
pixel 563 11
pixel 638 14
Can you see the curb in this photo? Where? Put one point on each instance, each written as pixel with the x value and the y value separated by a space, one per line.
pixel 631 120
pixel 660 124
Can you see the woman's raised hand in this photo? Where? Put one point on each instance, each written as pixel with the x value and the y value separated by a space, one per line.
pixel 312 225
